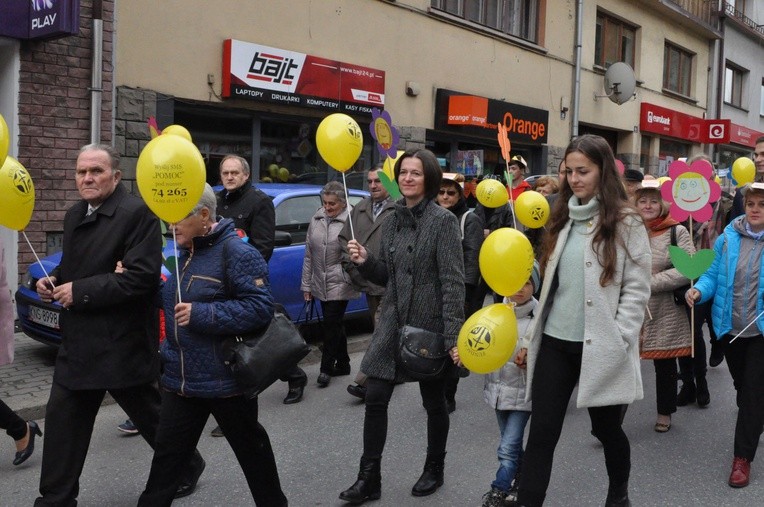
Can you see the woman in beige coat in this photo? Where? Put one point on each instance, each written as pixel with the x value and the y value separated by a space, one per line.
pixel 666 332
pixel 324 279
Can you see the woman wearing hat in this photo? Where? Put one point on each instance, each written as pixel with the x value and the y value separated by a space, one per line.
pixel 596 268
pixel 735 282
pixel 666 332
pixel 451 197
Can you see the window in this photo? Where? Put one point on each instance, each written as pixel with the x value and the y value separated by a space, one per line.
pixel 614 41
pixel 677 69
pixel 733 84
pixel 514 17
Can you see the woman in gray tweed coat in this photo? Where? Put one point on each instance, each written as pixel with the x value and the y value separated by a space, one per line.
pixel 420 256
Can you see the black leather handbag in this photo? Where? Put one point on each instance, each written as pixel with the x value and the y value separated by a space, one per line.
pixel 422 354
pixel 257 360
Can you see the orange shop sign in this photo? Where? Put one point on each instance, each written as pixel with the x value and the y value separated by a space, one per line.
pixel 479 116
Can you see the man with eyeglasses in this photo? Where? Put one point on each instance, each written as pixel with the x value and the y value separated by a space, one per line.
pixel 367 217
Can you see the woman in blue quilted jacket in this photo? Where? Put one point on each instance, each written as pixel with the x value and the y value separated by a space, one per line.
pixel 224 291
pixel 734 281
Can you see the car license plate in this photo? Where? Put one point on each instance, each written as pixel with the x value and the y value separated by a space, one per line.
pixel 44 317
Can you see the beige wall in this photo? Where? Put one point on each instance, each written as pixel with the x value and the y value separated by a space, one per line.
pixel 399 38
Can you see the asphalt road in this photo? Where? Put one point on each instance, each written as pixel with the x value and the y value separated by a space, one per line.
pixel 318 443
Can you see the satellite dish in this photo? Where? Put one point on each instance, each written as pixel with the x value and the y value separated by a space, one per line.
pixel 620 83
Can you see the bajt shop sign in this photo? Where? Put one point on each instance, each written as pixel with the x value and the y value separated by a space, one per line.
pixel 263 73
pixel 479 117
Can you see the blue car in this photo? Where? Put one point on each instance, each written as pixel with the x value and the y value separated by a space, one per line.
pixel 295 205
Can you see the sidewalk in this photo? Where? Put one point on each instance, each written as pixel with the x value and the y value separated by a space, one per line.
pixel 25 384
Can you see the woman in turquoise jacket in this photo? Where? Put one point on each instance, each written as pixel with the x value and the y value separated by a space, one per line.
pixel 735 281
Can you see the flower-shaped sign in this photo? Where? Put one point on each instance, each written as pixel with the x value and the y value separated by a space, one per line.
pixel 384 133
pixel 691 190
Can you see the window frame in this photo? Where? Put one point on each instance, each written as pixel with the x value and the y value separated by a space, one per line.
pixel 684 77
pixel 505 18
pixel 733 91
pixel 604 23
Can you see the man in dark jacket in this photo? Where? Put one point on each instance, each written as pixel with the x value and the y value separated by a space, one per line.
pixel 367 217
pixel 109 323
pixel 252 211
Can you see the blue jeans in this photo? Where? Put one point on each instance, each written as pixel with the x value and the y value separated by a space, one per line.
pixel 510 452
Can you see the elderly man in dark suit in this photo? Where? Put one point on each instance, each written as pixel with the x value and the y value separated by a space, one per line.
pixel 109 323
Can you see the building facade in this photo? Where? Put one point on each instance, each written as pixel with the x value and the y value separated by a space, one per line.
pixel 255 78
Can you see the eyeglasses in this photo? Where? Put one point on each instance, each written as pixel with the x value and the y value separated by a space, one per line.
pixel 443 191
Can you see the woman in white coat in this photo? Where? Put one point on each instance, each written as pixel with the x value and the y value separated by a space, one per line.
pixel 596 265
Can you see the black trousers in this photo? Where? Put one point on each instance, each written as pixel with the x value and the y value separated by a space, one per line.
pixel 691 367
pixel 335 351
pixel 378 394
pixel 745 357
pixel 556 373
pixel 14 426
pixel 69 419
pixel 665 385
pixel 181 424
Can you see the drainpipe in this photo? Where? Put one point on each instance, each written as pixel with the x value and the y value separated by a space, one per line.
pixel 96 82
pixel 577 74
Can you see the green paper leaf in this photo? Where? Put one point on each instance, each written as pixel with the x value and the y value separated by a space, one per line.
pixel 390 185
pixel 691 266
pixel 169 263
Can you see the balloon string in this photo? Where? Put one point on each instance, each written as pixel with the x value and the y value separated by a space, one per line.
pixel 47 276
pixel 177 269
pixel 347 200
pixel 746 327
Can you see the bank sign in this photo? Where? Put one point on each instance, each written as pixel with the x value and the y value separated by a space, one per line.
pixel 479 116
pixel 39 19
pixel 662 120
pixel 257 72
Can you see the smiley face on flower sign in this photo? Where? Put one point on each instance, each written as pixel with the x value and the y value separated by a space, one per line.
pixel 691 190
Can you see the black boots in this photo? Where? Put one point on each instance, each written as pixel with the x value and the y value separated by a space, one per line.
pixel 702 396
pixel 686 393
pixel 432 476
pixel 369 483
pixel 296 389
pixel 618 495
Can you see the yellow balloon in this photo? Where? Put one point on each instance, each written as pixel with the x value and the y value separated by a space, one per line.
pixel 488 338
pixel 177 130
pixel 389 166
pixel 743 171
pixel 273 170
pixel 339 141
pixel 171 177
pixel 16 195
pixel 491 193
pixel 506 260
pixel 5 140
pixel 532 209
pixel 284 174
pixel 663 179
pixel 718 180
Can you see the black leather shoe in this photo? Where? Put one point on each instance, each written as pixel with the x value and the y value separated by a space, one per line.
pixel 686 393
pixel 358 391
pixel 369 483
pixel 294 395
pixel 431 478
pixel 188 484
pixel 717 353
pixel 323 380
pixel 451 406
pixel 23 455
pixel 618 496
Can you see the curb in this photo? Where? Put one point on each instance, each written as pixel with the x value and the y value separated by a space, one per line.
pixel 29 402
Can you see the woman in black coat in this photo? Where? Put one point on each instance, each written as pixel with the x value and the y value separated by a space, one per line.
pixel 420 262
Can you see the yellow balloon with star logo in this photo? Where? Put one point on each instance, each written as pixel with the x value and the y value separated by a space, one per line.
pixel 488 338
pixel 491 193
pixel 16 195
pixel 532 209
pixel 339 140
pixel 5 140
